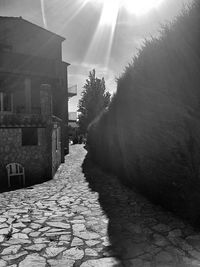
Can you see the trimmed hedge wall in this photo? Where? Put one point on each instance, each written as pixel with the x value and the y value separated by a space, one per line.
pixel 150 134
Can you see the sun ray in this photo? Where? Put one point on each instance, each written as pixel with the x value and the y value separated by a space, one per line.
pixel 77 11
pixel 43 14
pixel 103 38
pixel 58 9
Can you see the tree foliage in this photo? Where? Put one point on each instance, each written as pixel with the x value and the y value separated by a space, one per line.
pixel 94 100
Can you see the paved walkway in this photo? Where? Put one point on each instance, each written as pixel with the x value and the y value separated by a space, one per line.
pixel 89 220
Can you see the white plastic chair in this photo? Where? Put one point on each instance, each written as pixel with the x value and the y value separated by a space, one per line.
pixel 15 169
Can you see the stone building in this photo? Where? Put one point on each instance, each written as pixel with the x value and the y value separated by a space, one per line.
pixel 33 99
pixel 72 125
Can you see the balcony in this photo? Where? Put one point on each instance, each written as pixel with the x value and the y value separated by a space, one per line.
pixel 72 91
pixel 21 120
pixel 30 65
pixel 72 116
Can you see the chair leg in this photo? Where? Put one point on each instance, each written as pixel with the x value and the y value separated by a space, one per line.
pixel 8 181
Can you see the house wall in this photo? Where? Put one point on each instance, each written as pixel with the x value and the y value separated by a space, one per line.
pixel 19 95
pixel 35 159
pixel 29 73
pixel 19 100
pixel 27 38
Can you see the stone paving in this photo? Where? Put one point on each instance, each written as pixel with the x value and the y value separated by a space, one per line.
pixel 88 219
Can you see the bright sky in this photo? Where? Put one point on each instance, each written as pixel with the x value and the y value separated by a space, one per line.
pixel 100 34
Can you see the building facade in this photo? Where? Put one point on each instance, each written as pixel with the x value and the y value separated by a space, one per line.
pixel 33 99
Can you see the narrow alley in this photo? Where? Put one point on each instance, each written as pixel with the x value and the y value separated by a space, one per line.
pixel 84 217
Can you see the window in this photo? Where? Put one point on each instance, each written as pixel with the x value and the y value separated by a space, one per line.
pixel 5 102
pixel 29 136
pixel 5 48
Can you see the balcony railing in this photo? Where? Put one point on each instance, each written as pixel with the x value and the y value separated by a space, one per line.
pixel 72 91
pixel 21 120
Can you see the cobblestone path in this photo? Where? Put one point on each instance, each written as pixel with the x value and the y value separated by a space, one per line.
pixel 88 219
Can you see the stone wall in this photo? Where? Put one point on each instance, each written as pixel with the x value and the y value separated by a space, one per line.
pixel 35 159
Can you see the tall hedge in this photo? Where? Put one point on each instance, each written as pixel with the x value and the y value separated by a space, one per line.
pixel 150 134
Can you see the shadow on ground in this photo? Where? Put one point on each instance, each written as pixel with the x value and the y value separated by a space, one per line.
pixel 16 185
pixel 140 233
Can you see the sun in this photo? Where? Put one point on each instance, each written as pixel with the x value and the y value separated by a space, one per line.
pixel 110 11
pixel 136 7
pixel 140 7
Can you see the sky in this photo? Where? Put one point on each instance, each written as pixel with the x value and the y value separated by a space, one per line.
pixel 103 35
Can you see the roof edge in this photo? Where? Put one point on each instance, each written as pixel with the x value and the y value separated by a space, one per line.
pixel 21 18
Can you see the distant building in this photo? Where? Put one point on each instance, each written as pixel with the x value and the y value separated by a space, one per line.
pixel 73 125
pixel 33 99
pixel 72 116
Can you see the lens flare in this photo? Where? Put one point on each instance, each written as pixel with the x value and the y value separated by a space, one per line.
pixel 140 7
pixel 43 14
